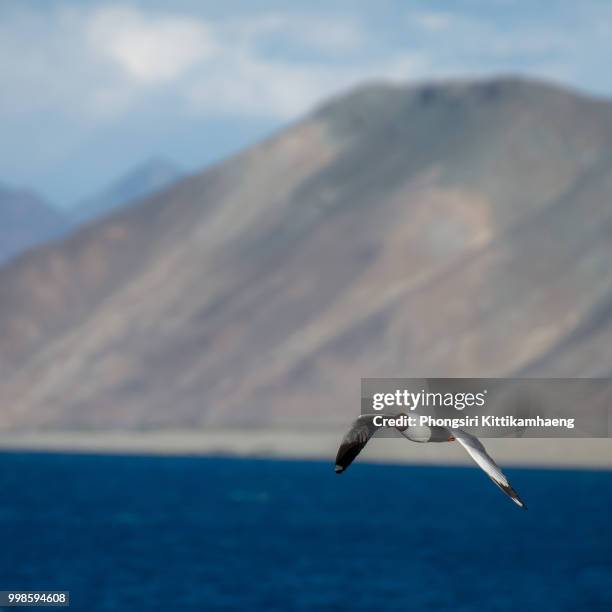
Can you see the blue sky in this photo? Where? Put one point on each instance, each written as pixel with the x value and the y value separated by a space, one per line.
pixel 91 89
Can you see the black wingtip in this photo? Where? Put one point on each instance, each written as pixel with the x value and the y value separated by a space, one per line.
pixel 339 469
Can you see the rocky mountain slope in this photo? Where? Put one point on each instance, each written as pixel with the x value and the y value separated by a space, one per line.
pixel 450 229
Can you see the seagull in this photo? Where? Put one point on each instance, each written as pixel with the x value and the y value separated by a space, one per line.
pixel 363 429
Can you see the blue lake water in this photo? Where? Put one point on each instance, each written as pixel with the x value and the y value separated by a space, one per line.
pixel 158 533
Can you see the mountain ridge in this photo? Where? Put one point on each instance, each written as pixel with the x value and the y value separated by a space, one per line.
pixel 438 230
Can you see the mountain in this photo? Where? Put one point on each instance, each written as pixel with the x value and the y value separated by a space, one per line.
pixel 450 229
pixel 142 181
pixel 26 220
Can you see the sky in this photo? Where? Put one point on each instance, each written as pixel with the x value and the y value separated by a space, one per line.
pixel 90 89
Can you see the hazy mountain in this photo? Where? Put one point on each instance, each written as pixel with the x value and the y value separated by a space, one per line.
pixel 142 181
pixel 26 220
pixel 453 229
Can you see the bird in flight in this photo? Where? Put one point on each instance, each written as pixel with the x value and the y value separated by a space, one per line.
pixel 363 429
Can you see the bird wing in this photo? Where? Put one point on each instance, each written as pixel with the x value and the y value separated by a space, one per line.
pixel 362 429
pixel 479 454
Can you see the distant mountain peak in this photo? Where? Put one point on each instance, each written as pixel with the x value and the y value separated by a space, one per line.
pixel 145 179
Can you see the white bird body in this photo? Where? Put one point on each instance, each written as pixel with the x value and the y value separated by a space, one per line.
pixel 363 429
pixel 424 433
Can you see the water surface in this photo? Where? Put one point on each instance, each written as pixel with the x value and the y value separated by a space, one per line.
pixel 159 533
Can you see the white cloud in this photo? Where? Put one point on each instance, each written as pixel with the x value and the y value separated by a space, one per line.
pixel 93 62
pixel 151 49
pixel 104 62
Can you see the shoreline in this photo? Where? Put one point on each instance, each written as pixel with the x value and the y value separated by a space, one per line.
pixel 590 453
